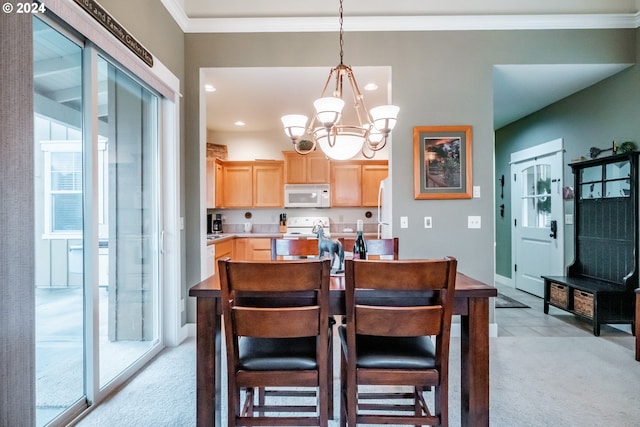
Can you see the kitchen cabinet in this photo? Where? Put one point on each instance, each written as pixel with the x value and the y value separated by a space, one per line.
pixel 313 168
pixel 372 174
pixel 355 183
pixel 223 249
pixel 252 248
pixel 248 184
pixel 237 182
pixel 211 183
pixel 214 183
pixel 268 185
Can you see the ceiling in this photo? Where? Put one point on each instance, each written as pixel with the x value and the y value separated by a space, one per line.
pixel 250 94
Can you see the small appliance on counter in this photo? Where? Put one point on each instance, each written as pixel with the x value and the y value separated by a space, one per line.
pixel 209 223
pixel 217 224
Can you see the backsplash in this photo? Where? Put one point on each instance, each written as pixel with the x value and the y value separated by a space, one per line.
pixel 266 220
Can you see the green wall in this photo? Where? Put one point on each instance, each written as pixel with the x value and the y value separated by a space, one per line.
pixel 439 78
pixel 594 117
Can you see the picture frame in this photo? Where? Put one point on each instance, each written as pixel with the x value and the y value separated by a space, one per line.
pixel 442 157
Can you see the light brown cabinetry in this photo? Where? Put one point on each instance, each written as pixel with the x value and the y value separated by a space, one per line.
pixel 252 184
pixel 252 248
pixel 313 168
pixel 223 249
pixel 211 183
pixel 355 183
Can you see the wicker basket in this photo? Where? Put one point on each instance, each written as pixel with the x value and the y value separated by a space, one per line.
pixel 583 303
pixel 559 295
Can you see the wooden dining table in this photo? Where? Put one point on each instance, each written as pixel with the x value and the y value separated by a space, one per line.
pixel 471 303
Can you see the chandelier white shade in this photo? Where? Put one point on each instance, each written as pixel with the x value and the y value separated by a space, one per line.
pixel 338 140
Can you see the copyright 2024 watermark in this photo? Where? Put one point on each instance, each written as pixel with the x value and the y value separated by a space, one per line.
pixel 30 7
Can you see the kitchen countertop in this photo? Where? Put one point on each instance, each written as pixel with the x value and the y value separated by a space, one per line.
pixel 228 236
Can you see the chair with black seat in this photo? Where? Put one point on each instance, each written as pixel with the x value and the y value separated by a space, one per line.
pixel 276 331
pixel 376 248
pixel 387 345
pixel 303 248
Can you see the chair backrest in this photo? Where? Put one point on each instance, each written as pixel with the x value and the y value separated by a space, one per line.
pixel 293 247
pixel 375 247
pixel 370 286
pixel 266 299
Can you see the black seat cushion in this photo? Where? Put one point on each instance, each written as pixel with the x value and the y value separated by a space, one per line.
pixel 268 354
pixel 376 352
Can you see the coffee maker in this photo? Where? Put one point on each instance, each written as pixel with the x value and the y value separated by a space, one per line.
pixel 217 224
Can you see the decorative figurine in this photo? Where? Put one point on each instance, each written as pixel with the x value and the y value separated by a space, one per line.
pixel 332 247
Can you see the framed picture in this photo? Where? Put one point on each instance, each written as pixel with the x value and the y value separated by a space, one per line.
pixel 442 162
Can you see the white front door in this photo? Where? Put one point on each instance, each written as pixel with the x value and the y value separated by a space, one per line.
pixel 538 212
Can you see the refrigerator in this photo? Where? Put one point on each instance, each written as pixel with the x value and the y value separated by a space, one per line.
pixel 385 229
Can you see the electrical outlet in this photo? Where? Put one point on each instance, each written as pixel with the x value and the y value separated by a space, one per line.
pixel 427 222
pixel 404 222
pixel 474 222
pixel 476 191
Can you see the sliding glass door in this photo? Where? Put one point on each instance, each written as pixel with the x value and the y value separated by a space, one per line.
pixel 97 223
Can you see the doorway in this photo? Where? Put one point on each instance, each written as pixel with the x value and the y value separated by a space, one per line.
pixel 536 203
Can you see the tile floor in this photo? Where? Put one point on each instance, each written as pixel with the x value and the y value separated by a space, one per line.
pixel 532 322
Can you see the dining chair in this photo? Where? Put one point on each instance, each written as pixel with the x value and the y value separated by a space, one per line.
pixel 376 248
pixel 387 345
pixel 276 331
pixel 287 248
pixel 302 248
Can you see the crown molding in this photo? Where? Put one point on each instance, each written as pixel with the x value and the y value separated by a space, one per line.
pixel 400 23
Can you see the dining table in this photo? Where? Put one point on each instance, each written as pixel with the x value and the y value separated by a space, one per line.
pixel 471 303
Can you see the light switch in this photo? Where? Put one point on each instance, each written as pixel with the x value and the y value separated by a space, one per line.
pixel 404 222
pixel 476 191
pixel 568 219
pixel 474 222
pixel 427 222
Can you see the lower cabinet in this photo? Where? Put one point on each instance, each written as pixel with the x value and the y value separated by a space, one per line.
pixel 252 248
pixel 223 249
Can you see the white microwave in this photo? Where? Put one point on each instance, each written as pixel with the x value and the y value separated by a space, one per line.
pixel 307 196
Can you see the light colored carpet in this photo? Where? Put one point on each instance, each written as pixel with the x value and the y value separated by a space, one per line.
pixel 537 381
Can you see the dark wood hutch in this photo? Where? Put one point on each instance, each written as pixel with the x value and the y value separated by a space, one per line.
pixel 600 283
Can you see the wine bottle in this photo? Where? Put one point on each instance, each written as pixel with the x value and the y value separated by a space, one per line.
pixel 360 246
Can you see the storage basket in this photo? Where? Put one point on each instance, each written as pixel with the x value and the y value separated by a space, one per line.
pixel 559 295
pixel 583 303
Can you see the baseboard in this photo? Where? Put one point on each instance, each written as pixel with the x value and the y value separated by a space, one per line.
pixel 502 280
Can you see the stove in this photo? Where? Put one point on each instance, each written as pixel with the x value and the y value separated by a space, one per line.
pixel 302 226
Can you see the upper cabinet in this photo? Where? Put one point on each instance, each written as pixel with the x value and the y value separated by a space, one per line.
pixel 355 183
pixel 313 168
pixel 214 182
pixel 248 184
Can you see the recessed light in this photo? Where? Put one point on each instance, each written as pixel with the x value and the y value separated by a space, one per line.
pixel 239 123
pixel 209 88
pixel 370 86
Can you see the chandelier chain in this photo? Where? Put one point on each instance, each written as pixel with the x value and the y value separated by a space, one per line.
pixel 341 38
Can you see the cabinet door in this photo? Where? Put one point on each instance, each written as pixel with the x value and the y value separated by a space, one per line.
pixel 211 183
pixel 223 249
pixel 240 249
pixel 268 186
pixel 295 168
pixel 372 174
pixel 238 186
pixel 259 248
pixel 318 169
pixel 346 184
pixel 219 196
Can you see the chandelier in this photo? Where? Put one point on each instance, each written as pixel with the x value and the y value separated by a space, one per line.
pixel 340 141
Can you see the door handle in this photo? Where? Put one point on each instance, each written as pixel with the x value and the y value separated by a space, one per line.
pixel 554 229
